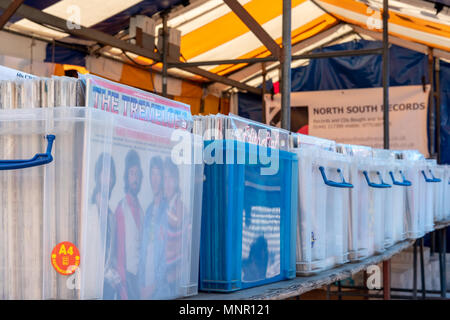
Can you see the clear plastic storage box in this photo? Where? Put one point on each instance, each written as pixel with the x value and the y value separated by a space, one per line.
pixel 415 196
pixel 394 204
pixel 373 197
pixel 360 221
pixel 324 204
pixel 415 214
pixel 439 195
pixel 100 212
pixel 249 218
pixel 400 185
pixel 446 187
pixel 429 187
pixel 447 193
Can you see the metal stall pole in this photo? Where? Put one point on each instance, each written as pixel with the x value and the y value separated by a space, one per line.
pixel 364 288
pixel 422 269
pixel 387 280
pixel 165 38
pixel 444 262
pixel 385 75
pixel 433 243
pixel 415 270
pixel 263 67
pixel 339 290
pixel 286 67
pixel 442 233
pixel 437 94
pixel 442 251
pixel 386 264
pixel 431 108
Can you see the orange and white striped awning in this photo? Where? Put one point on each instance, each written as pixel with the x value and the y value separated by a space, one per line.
pixel 406 20
pixel 211 31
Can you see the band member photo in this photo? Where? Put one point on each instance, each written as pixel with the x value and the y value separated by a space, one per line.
pixel 105 180
pixel 129 217
pixel 175 211
pixel 152 267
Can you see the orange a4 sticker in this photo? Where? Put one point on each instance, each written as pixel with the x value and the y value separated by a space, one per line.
pixel 65 258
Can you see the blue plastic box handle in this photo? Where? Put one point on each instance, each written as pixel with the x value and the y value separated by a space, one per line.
pixel 376 185
pixel 39 159
pixel 343 184
pixel 433 178
pixel 404 183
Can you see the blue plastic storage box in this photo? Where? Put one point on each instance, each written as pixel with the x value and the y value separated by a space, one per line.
pixel 248 234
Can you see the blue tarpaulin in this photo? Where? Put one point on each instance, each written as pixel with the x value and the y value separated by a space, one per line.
pixel 250 103
pixel 445 111
pixel 407 67
pixel 250 106
pixel 57 54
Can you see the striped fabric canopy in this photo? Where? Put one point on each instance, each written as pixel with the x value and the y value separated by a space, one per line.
pixel 211 31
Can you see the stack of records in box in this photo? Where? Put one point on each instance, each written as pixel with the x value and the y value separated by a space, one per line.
pixel 112 214
pixel 249 204
pixel 21 243
pixel 324 204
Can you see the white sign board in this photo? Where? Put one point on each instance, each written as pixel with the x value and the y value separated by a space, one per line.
pixel 355 116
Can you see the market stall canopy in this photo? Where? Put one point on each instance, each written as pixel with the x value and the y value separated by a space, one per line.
pixel 210 30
